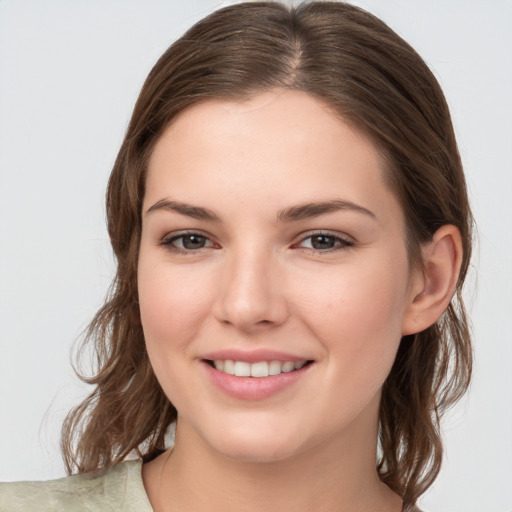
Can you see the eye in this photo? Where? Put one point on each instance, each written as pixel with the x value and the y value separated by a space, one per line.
pixel 186 242
pixel 325 242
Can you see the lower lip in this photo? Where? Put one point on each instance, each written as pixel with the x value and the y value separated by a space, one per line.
pixel 253 388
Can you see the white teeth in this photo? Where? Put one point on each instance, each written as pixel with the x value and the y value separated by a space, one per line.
pixel 288 366
pixel 229 367
pixel 259 369
pixel 242 369
pixel 274 368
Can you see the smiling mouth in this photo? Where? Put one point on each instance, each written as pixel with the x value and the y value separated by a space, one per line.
pixel 258 369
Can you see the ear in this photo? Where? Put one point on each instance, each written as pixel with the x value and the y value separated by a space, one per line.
pixel 433 286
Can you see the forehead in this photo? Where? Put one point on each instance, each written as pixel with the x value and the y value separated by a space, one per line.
pixel 273 147
pixel 295 116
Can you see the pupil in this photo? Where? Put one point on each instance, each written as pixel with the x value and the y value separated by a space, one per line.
pixel 193 241
pixel 323 242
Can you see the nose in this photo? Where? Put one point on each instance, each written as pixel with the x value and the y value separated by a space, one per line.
pixel 251 293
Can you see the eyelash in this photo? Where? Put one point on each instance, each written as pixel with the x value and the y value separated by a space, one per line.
pixel 167 242
pixel 342 243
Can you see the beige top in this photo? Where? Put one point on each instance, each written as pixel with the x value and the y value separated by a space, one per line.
pixel 119 489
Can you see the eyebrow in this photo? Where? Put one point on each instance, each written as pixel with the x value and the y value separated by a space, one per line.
pixel 196 212
pixel 310 210
pixel 290 214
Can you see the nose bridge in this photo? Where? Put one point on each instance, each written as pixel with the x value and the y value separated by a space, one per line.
pixel 251 294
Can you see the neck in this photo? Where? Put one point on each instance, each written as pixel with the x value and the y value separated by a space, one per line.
pixel 338 475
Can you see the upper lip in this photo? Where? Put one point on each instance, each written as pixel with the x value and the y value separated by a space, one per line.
pixel 253 356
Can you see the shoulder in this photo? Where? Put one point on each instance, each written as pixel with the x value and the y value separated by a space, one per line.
pixel 118 488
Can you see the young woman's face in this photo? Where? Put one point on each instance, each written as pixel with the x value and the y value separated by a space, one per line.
pixel 270 241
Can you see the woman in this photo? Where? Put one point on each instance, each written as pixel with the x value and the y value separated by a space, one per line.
pixel 291 225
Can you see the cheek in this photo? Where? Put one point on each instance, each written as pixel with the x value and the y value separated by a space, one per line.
pixel 356 313
pixel 173 303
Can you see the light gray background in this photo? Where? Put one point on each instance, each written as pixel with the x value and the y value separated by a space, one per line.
pixel 69 75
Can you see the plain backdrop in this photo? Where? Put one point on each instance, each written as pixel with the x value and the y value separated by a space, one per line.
pixel 70 72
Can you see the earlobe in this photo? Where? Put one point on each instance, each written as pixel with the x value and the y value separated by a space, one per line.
pixel 434 287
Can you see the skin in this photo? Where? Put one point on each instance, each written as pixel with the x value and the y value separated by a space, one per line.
pixel 261 283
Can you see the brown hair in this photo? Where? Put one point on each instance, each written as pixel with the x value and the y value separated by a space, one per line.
pixel 366 73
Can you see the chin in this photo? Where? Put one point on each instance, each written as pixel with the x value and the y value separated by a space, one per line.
pixel 258 442
pixel 257 451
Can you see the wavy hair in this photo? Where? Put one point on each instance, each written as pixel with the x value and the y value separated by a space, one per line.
pixel 372 78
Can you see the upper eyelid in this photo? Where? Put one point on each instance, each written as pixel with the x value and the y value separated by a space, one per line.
pixel 325 232
pixel 305 234
pixel 178 234
pixel 167 239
